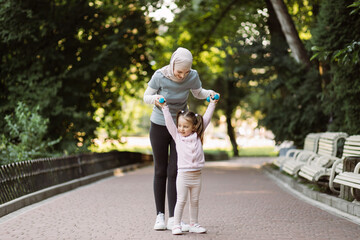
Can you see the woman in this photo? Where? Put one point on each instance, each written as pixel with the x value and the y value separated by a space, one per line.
pixel 172 82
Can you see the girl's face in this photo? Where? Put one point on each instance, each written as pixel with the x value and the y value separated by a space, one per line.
pixel 180 73
pixel 185 127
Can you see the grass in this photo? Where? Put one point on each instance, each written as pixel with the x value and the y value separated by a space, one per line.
pixel 243 152
pixel 258 152
pixel 119 147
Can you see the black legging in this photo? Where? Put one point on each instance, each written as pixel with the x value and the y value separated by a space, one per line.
pixel 165 167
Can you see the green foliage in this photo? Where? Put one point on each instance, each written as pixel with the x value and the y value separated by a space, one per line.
pixel 288 94
pixel 71 58
pixel 303 14
pixel 292 104
pixel 334 32
pixel 347 56
pixel 24 138
pixel 356 6
pixel 350 54
pixel 341 100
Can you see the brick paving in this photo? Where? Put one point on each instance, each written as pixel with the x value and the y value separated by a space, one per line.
pixel 238 201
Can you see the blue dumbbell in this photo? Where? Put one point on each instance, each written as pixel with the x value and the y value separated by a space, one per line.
pixel 216 97
pixel 161 100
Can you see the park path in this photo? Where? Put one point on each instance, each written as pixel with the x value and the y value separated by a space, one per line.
pixel 238 201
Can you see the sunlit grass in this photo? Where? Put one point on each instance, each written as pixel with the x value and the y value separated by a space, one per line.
pixel 115 145
pixel 248 151
pixel 258 152
pixel 243 152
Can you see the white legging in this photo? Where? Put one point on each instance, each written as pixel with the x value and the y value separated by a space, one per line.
pixel 187 182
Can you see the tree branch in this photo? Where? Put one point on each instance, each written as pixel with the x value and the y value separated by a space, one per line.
pixel 290 32
pixel 216 24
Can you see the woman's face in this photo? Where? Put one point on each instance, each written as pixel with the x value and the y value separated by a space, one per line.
pixel 181 73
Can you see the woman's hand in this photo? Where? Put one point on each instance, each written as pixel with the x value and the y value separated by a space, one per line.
pixel 214 97
pixel 160 101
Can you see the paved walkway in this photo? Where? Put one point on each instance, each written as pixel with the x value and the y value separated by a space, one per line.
pixel 238 201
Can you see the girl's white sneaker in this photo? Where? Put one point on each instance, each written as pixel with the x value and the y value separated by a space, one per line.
pixel 196 228
pixel 176 230
pixel 160 222
pixel 184 227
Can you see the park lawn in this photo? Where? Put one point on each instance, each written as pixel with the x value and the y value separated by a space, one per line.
pixel 266 151
pixel 258 152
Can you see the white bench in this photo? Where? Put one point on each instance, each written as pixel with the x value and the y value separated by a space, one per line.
pixel 351 149
pixel 350 179
pixel 318 167
pixel 310 145
pixel 326 150
pixel 292 166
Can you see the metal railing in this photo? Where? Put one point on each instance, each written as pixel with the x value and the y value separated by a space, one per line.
pixel 21 178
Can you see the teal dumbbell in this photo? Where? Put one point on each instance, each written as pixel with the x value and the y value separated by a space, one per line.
pixel 216 97
pixel 161 100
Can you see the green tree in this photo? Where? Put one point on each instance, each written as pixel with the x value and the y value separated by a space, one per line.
pixel 291 34
pixel 350 54
pixel 211 29
pixel 233 83
pixel 289 91
pixel 335 30
pixel 25 136
pixel 71 58
pixel 286 93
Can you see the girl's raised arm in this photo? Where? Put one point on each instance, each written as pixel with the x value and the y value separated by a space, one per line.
pixel 170 125
pixel 208 114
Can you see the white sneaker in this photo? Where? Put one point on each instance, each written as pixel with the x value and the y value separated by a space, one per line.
pixel 176 230
pixel 196 228
pixel 170 223
pixel 184 227
pixel 160 222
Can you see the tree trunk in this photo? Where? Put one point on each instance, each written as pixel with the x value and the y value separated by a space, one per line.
pixel 231 134
pixel 230 128
pixel 290 32
pixel 278 44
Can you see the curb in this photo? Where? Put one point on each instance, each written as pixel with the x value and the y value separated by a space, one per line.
pixel 43 194
pixel 337 203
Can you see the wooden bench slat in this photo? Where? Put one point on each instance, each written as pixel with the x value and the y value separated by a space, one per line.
pixel 346 183
pixel 349 176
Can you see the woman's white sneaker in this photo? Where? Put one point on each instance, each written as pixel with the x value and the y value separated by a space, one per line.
pixel 170 223
pixel 176 230
pixel 160 222
pixel 196 228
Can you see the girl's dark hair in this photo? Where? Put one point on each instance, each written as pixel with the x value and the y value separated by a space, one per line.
pixel 195 119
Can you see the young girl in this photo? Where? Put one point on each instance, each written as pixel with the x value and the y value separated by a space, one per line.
pixel 188 136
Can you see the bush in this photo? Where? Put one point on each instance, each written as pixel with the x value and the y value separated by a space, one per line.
pixel 24 136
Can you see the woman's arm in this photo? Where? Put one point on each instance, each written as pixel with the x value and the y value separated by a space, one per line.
pixel 150 96
pixel 201 93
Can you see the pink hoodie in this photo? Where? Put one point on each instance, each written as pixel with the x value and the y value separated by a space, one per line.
pixel 189 149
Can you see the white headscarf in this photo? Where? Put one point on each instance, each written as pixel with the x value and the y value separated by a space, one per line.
pixel 182 58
